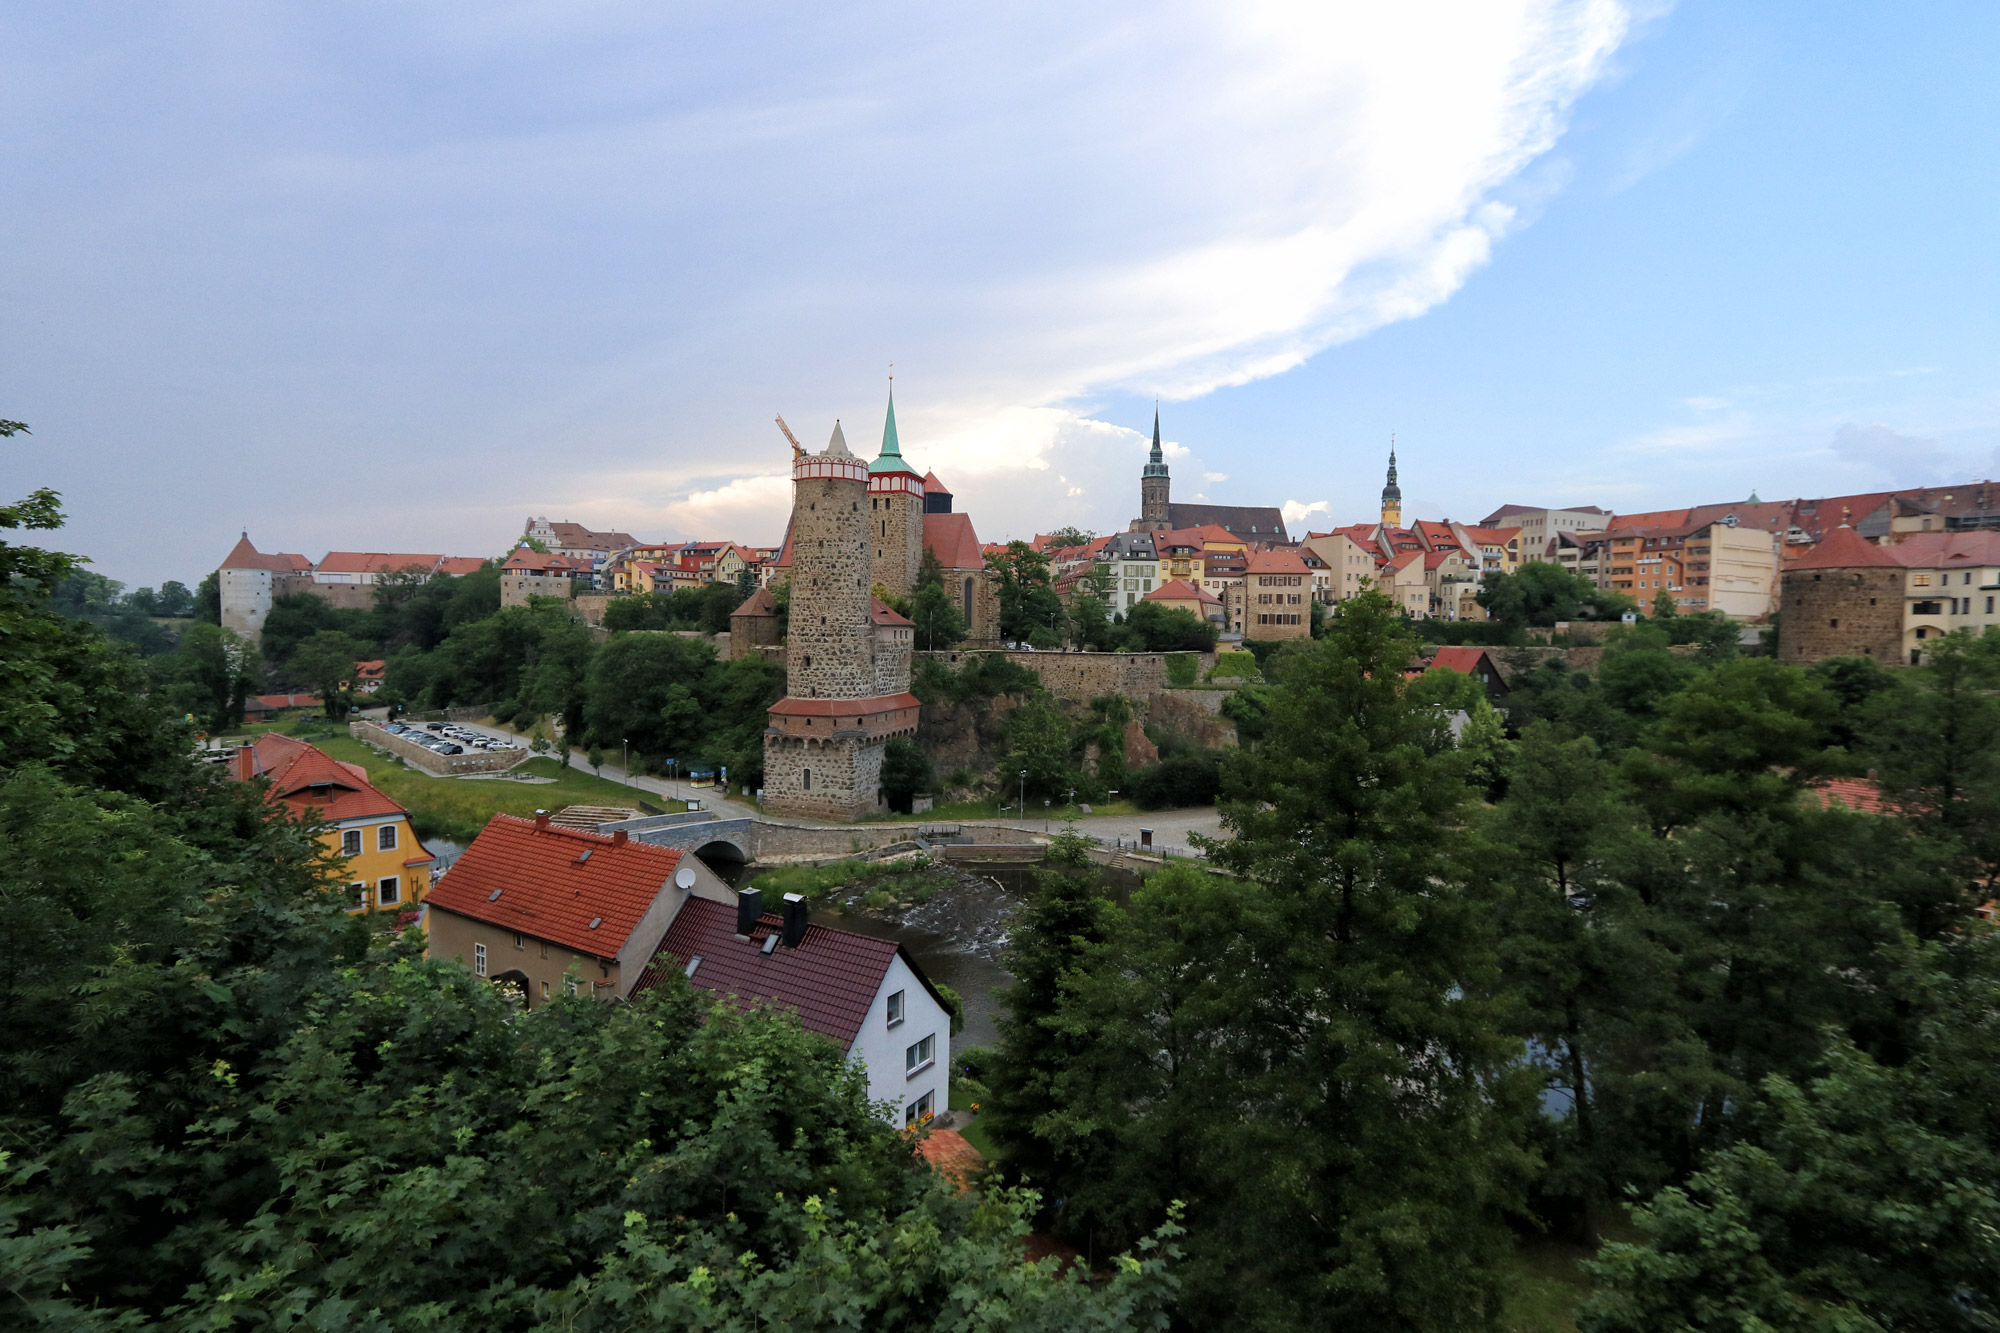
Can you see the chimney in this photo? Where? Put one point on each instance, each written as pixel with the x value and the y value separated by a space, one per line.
pixel 795 920
pixel 618 838
pixel 541 820
pixel 749 906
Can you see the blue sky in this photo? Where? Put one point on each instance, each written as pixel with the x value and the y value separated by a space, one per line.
pixel 396 277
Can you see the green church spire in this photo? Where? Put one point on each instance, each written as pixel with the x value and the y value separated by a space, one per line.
pixel 891 459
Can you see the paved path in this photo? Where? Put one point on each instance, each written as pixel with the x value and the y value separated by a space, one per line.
pixel 1170 827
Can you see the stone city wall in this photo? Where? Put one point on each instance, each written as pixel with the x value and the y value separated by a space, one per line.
pixel 516 589
pixel 442 765
pixel 833 779
pixel 1081 677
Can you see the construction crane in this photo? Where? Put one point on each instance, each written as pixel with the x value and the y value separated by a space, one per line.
pixel 798 450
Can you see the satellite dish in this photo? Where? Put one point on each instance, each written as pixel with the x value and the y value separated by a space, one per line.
pixel 684 877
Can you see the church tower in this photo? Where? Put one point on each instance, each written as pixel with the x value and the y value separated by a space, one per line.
pixel 847 657
pixel 1392 495
pixel 895 514
pixel 1153 486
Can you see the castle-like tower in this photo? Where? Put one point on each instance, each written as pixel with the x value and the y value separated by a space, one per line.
pixel 1392 495
pixel 847 655
pixel 1153 487
pixel 895 514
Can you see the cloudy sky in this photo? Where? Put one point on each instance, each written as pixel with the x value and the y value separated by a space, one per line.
pixel 391 276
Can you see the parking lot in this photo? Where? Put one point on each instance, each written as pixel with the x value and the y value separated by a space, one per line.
pixel 448 738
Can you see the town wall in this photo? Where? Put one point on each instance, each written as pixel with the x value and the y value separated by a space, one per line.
pixel 591 606
pixel 1081 677
pixel 441 765
pixel 1841 613
pixel 832 645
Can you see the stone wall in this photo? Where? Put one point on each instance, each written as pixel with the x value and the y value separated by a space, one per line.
pixel 840 778
pixel 1081 677
pixel 831 649
pixel 590 606
pixel 516 589
pixel 442 765
pixel 1841 613
pixel 895 533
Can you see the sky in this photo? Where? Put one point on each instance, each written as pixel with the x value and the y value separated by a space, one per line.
pixel 380 276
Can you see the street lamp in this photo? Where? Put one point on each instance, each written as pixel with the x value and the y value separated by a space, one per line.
pixel 1045 814
pixel 625 744
pixel 1024 795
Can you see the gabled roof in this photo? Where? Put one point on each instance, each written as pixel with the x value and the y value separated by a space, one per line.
pixel 759 603
pixel 1180 590
pixel 1946 550
pixel 375 562
pixel 527 560
pixel 1280 561
pixel 460 565
pixel 371 669
pixel 1844 548
pixel 1256 522
pixel 951 538
pixel 577 535
pixel 1465 661
pixel 831 980
pixel 305 778
pixel 540 882
pixel 932 486
pixel 245 556
pixel 881 614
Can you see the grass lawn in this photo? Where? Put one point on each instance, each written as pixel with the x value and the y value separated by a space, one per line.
pixel 458 808
pixel 975 1133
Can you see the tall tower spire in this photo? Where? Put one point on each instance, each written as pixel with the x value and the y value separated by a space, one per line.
pixel 1392 494
pixel 1154 485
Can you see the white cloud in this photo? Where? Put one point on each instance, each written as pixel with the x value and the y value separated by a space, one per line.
pixel 739 510
pixel 1215 476
pixel 1296 512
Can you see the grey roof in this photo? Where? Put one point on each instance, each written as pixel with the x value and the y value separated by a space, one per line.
pixel 1131 546
pixel 1252 522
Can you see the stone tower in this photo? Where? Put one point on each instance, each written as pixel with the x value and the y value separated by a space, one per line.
pixel 847 655
pixel 1153 487
pixel 895 514
pixel 1392 495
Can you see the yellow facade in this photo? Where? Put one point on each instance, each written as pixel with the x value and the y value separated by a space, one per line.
pixel 371 865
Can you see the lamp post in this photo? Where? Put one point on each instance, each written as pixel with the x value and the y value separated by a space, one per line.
pixel 1024 796
pixel 625 746
pixel 1045 814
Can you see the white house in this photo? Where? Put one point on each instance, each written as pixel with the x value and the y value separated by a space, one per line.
pixel 866 994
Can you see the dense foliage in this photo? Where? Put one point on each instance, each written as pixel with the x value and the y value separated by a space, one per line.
pixel 226 1105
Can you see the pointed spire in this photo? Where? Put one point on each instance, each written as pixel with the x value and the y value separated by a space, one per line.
pixel 891 459
pixel 1156 465
pixel 837 446
pixel 1392 491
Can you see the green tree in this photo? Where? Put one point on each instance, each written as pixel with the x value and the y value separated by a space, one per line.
pixel 939 626
pixel 1039 743
pixel 208 598
pixel 1935 743
pixel 1541 593
pixel 1069 537
pixel 1028 601
pixel 175 599
pixel 211 676
pixel 1090 609
pixel 325 662
pixel 906 774
pixel 1160 629
pixel 646 689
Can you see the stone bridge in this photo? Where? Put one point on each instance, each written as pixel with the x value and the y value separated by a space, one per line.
pixel 724 843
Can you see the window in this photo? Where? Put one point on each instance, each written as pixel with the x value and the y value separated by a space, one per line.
pixel 806 778
pixel 1920 580
pixel 895 1008
pixel 920 1110
pixel 478 960
pixel 919 1056
pixel 519 943
pixel 350 842
pixel 360 888
pixel 389 891
pixel 545 990
pixel 385 838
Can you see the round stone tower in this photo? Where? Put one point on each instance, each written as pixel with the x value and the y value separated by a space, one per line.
pixel 847 657
pixel 830 654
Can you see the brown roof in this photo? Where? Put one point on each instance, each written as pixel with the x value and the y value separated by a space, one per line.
pixel 932 486
pixel 553 882
pixel 831 979
pixel 883 615
pixel 951 538
pixel 305 778
pixel 245 556
pixel 575 534
pixel 1180 590
pixel 1844 548
pixel 1465 661
pixel 880 703
pixel 375 562
pixel 1947 550
pixel 460 565
pixel 1280 561
pixel 759 603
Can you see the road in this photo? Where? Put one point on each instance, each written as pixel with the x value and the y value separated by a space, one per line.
pixel 1170 827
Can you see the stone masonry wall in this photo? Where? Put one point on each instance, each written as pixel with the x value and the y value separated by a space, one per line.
pixel 472 761
pixel 896 539
pixel 1841 613
pixel 516 589
pixel 845 776
pixel 831 651
pixel 1081 677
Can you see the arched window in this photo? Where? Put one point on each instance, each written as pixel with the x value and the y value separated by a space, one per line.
pixel 806 777
pixel 968 604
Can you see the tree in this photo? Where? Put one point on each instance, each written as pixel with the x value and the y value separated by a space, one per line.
pixel 1090 609
pixel 1541 593
pixel 1069 537
pixel 175 599
pixel 718 601
pixel 325 662
pixel 1663 606
pixel 210 675
pixel 1159 629
pixel 647 690
pixel 1935 741
pixel 906 774
pixel 1867 1198
pixel 1039 743
pixel 939 626
pixel 1028 602
pixel 208 598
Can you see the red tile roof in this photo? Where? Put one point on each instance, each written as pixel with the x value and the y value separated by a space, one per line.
pixel 460 565
pixel 1858 794
pixel 883 615
pixel 272 702
pixel 305 778
pixel 1281 561
pixel 1465 661
pixel 245 556
pixel 375 562
pixel 1844 548
pixel 831 979
pixel 951 538
pixel 881 703
pixel 1946 550
pixel 537 881
pixel 932 486
pixel 1180 590
pixel 527 560
pixel 759 603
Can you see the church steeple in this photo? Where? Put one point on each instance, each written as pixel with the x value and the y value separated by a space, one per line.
pixel 891 458
pixel 1392 494
pixel 1154 485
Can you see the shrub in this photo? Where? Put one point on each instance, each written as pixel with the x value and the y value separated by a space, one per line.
pixel 1182 669
pixel 1234 665
pixel 1181 780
